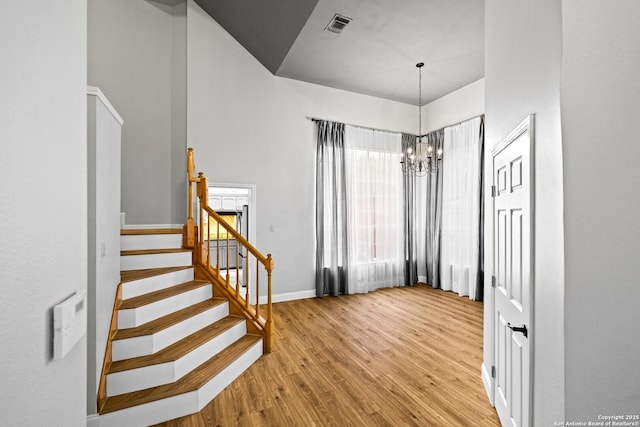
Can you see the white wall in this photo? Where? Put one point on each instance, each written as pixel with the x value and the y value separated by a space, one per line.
pixel 248 126
pixel 179 114
pixel 134 54
pixel 600 107
pixel 523 48
pixel 104 128
pixel 43 220
pixel 463 104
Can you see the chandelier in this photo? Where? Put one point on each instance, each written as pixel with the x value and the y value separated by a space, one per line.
pixel 419 160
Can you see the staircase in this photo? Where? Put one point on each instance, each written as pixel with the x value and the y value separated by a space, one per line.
pixel 176 345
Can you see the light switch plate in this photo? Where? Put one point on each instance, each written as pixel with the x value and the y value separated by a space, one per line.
pixel 69 323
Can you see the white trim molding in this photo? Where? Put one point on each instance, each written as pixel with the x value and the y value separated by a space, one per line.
pixel 95 91
pixel 149 226
pixel 93 420
pixel 488 382
pixel 289 296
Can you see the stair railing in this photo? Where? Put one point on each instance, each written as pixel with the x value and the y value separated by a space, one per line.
pixel 229 266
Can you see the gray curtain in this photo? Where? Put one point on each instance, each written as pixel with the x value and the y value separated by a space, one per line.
pixel 434 213
pixel 331 211
pixel 480 279
pixel 410 243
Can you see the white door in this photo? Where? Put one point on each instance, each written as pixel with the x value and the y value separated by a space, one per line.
pixel 513 272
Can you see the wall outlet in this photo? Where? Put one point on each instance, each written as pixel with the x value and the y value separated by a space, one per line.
pixel 272 228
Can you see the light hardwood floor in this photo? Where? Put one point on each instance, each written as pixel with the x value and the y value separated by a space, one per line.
pixel 395 357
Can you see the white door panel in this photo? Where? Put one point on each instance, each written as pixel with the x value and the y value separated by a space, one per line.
pixel 513 262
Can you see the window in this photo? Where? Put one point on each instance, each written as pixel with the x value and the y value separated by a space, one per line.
pixel 375 208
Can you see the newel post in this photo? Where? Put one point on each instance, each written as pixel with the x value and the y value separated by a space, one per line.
pixel 189 229
pixel 269 325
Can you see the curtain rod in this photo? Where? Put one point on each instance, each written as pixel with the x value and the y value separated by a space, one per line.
pixel 315 119
pixel 455 124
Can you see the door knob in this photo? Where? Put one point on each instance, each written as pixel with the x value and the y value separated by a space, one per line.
pixel 522 329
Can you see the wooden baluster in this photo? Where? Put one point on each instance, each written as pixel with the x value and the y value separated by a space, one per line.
pixel 246 291
pixel 237 269
pixel 257 287
pixel 218 248
pixel 208 240
pixel 246 265
pixel 203 196
pixel 227 265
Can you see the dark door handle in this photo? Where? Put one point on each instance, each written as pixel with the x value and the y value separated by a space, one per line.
pixel 522 329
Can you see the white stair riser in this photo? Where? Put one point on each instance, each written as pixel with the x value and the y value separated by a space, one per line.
pixel 165 260
pixel 130 318
pixel 150 241
pixel 131 347
pixel 139 379
pixel 230 373
pixel 149 344
pixel 155 283
pixel 184 404
pixel 153 412
pixel 155 375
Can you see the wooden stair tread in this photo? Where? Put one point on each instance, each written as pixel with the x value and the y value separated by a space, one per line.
pixel 146 231
pixel 132 275
pixel 194 380
pixel 154 251
pixel 178 349
pixel 155 296
pixel 169 320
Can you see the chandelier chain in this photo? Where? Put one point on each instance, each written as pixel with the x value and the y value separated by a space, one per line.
pixel 420 102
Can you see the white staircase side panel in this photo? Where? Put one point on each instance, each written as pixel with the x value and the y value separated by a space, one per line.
pixel 139 287
pixel 130 318
pixel 155 375
pixel 153 412
pixel 212 388
pixel 162 260
pixel 132 242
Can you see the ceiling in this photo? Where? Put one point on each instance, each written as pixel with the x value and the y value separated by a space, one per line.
pixel 377 51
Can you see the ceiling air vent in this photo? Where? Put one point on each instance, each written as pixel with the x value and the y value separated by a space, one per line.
pixel 337 23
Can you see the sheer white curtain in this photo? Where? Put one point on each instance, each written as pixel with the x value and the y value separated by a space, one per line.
pixel 375 209
pixel 461 208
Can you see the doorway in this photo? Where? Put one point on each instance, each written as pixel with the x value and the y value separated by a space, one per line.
pixel 236 204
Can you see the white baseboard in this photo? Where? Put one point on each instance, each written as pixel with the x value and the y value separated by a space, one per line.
pixel 93 420
pixel 488 383
pixel 148 226
pixel 289 296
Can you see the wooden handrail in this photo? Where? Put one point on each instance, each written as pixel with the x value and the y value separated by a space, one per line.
pixel 255 252
pixel 210 268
